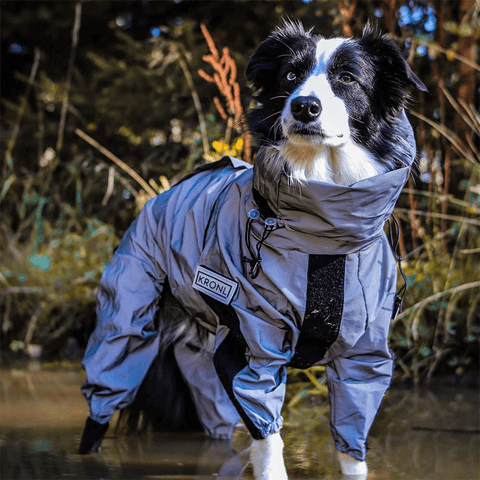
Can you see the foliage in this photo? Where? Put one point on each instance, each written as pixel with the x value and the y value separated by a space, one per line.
pixel 440 324
pixel 149 85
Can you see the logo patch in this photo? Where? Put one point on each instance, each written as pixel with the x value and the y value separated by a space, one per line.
pixel 214 285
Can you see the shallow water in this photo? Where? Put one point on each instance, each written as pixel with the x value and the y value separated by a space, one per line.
pixel 418 434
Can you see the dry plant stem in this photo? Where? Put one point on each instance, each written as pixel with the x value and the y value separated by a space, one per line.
pixel 68 82
pixel 470 109
pixel 110 185
pixel 439 354
pixel 449 53
pixel 433 298
pixel 411 214
pixel 401 241
pixel 453 218
pixel 456 253
pixel 441 334
pixel 456 106
pixel 196 102
pixel 446 313
pixel 57 287
pixel 6 314
pixel 472 314
pixel 33 323
pixel 472 146
pixel 23 290
pixel 417 317
pixel 21 111
pixel 118 162
pixel 452 137
pixel 449 312
pixel 443 198
pixel 437 238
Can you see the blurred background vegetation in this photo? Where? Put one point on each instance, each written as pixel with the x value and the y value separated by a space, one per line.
pixel 96 92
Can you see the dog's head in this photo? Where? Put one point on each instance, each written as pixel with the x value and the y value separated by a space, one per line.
pixel 316 91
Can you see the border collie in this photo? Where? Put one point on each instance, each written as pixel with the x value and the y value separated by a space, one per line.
pixel 285 263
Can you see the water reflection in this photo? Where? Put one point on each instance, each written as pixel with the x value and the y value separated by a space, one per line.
pixel 422 434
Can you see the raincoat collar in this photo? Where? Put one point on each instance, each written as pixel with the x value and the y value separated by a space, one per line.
pixel 346 217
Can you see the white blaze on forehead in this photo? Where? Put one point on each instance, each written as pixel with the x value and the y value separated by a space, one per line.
pixel 317 81
pixel 325 49
pixel 333 118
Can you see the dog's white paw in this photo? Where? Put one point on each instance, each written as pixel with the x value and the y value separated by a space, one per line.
pixel 267 458
pixel 350 465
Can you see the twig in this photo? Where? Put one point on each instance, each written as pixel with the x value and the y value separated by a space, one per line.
pixel 196 102
pixel 470 109
pixel 21 111
pixel 443 216
pixel 57 286
pixel 449 53
pixel 6 315
pixel 456 106
pixel 469 251
pixel 33 322
pixel 432 298
pixel 441 197
pixel 25 290
pixel 452 137
pixel 472 315
pixel 150 191
pixel 110 185
pixel 438 237
pixel 68 82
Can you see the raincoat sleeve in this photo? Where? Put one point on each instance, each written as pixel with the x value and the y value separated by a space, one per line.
pixel 125 341
pixel 357 382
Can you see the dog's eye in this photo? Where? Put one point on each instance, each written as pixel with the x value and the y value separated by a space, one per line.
pixel 346 78
pixel 290 76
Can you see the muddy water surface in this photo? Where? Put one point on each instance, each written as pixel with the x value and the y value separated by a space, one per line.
pixel 419 434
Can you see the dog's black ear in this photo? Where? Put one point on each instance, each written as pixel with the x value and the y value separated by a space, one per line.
pixel 394 74
pixel 264 65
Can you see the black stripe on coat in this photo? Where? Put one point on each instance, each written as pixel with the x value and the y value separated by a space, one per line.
pixel 229 357
pixel 323 311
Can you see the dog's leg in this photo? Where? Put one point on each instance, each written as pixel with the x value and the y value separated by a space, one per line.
pixel 267 458
pixel 350 465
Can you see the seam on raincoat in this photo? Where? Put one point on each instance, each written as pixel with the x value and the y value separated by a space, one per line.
pixel 364 295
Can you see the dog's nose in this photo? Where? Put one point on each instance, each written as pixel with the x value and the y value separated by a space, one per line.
pixel 306 109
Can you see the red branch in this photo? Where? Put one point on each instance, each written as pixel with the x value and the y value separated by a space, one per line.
pixel 225 77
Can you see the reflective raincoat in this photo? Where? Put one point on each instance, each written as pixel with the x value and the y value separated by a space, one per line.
pixel 280 274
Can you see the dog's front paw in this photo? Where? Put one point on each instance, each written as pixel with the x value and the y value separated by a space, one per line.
pixel 267 458
pixel 351 466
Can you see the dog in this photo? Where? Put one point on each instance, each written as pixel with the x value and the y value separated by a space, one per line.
pixel 238 272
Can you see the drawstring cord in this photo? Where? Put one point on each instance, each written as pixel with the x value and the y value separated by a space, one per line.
pixel 269 226
pixel 395 232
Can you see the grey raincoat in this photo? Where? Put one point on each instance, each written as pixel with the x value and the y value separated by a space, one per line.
pixel 280 274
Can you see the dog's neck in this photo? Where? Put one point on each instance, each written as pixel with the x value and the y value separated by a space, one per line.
pixel 343 165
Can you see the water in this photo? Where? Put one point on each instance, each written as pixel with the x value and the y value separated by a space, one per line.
pixel 421 434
